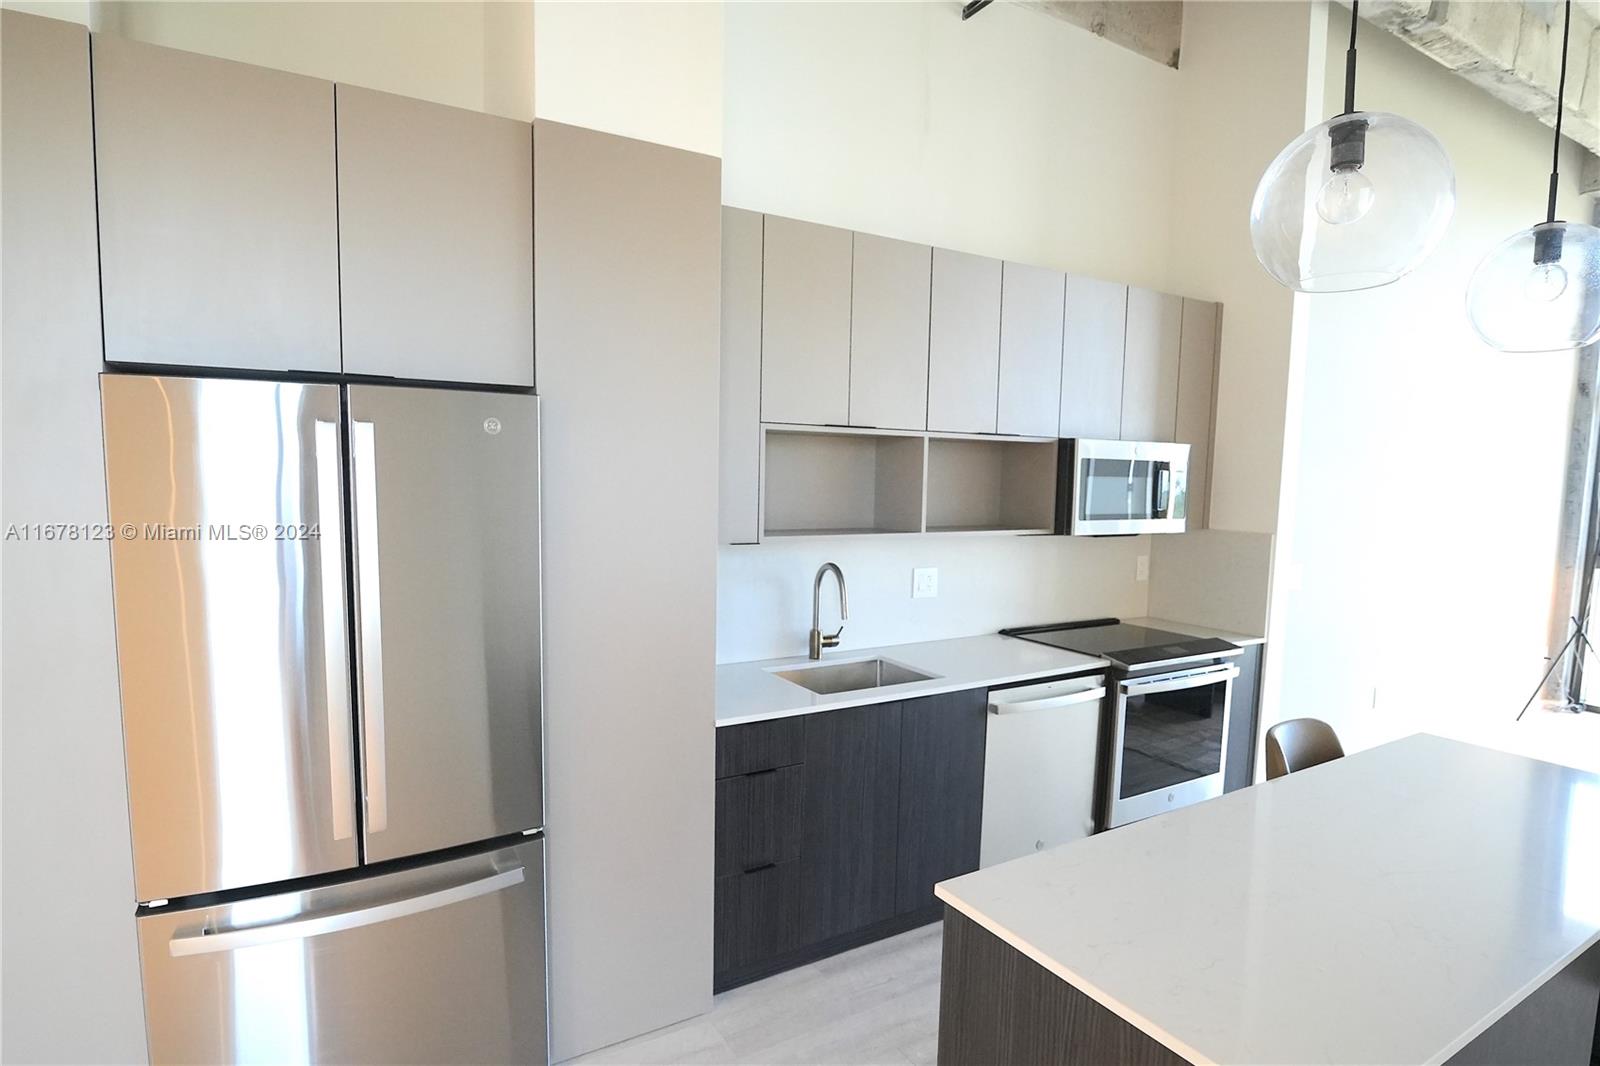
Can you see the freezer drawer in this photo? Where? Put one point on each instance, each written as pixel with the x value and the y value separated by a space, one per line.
pixel 442 963
pixel 1040 753
pixel 228 563
pixel 445 504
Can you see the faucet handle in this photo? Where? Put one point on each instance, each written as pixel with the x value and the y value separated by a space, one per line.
pixel 831 640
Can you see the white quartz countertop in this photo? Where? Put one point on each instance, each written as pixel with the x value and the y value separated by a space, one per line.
pixel 751 692
pixel 1385 907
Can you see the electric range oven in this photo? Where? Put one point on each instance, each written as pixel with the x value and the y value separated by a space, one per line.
pixel 1164 741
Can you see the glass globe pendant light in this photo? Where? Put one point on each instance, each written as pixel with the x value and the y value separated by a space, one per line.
pixel 1354 203
pixel 1539 291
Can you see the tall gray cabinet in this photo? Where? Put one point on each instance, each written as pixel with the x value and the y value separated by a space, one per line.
pixel 70 951
pixel 435 240
pixel 218 217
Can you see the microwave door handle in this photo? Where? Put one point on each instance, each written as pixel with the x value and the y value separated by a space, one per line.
pixel 1161 486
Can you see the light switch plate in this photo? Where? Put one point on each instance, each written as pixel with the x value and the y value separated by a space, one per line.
pixel 924 583
pixel 1141 569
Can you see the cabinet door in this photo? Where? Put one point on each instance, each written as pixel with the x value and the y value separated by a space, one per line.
pixel 889 333
pixel 218 217
pixel 964 343
pixel 435 240
pixel 1031 300
pixel 941 792
pixel 1197 375
pixel 739 495
pixel 1150 369
pixel 805 323
pixel 1091 358
pixel 852 796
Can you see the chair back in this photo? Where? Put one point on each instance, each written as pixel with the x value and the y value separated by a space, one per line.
pixel 1299 743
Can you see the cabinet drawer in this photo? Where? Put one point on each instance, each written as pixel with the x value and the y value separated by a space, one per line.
pixel 757 916
pixel 742 749
pixel 758 819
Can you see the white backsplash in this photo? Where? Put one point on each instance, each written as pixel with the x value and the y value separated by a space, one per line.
pixel 985 583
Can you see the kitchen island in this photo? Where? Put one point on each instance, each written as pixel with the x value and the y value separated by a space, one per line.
pixel 1421 902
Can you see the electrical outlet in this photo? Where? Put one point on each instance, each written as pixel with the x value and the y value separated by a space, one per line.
pixel 924 583
pixel 1141 569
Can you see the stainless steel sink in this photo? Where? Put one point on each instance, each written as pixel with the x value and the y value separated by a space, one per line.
pixel 852 676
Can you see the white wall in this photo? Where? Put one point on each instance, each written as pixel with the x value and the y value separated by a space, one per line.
pixel 1244 97
pixel 1013 135
pixel 1420 541
pixel 652 71
pixel 472 55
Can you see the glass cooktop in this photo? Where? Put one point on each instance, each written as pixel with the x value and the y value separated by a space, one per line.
pixel 1127 646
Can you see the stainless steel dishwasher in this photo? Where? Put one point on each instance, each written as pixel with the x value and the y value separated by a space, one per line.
pixel 1039 766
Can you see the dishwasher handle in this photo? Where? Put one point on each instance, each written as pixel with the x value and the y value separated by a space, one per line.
pixel 1048 703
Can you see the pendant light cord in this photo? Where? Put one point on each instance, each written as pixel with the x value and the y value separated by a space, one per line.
pixel 1561 94
pixel 1350 61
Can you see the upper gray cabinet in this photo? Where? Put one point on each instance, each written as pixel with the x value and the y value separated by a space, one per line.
pixel 1150 367
pixel 435 240
pixel 964 343
pixel 889 333
pixel 218 218
pixel 739 502
pixel 1031 300
pixel 805 323
pixel 1091 359
pixel 1197 378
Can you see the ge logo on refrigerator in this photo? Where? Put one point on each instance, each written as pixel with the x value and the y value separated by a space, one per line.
pixel 491 426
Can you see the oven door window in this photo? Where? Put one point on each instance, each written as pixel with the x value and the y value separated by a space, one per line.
pixel 1116 489
pixel 1171 737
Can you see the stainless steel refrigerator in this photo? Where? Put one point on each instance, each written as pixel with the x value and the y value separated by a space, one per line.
pixel 327 606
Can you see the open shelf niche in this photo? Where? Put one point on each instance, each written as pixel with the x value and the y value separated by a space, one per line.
pixel 991 485
pixel 822 482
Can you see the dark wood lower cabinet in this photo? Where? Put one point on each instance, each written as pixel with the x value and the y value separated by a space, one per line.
pixel 859 812
pixel 756 916
pixel 851 811
pixel 941 793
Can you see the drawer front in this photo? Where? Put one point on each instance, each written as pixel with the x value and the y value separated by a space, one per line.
pixel 758 819
pixel 743 749
pixel 757 916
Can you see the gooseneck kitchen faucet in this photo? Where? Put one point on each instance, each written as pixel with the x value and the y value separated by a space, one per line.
pixel 818 639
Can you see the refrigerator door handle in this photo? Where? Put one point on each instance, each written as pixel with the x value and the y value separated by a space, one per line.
pixel 363 455
pixel 202 942
pixel 335 657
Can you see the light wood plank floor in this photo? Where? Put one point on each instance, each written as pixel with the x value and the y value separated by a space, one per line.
pixel 876 1004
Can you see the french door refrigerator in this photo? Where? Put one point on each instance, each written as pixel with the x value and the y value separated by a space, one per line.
pixel 327 611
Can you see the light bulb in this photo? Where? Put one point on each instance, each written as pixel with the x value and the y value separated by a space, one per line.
pixel 1545 283
pixel 1345 198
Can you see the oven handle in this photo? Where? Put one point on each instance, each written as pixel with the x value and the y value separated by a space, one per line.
pixel 1173 682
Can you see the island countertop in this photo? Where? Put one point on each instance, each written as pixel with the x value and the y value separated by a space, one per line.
pixel 1386 907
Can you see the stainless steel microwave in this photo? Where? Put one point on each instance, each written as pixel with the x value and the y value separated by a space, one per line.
pixel 1111 487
